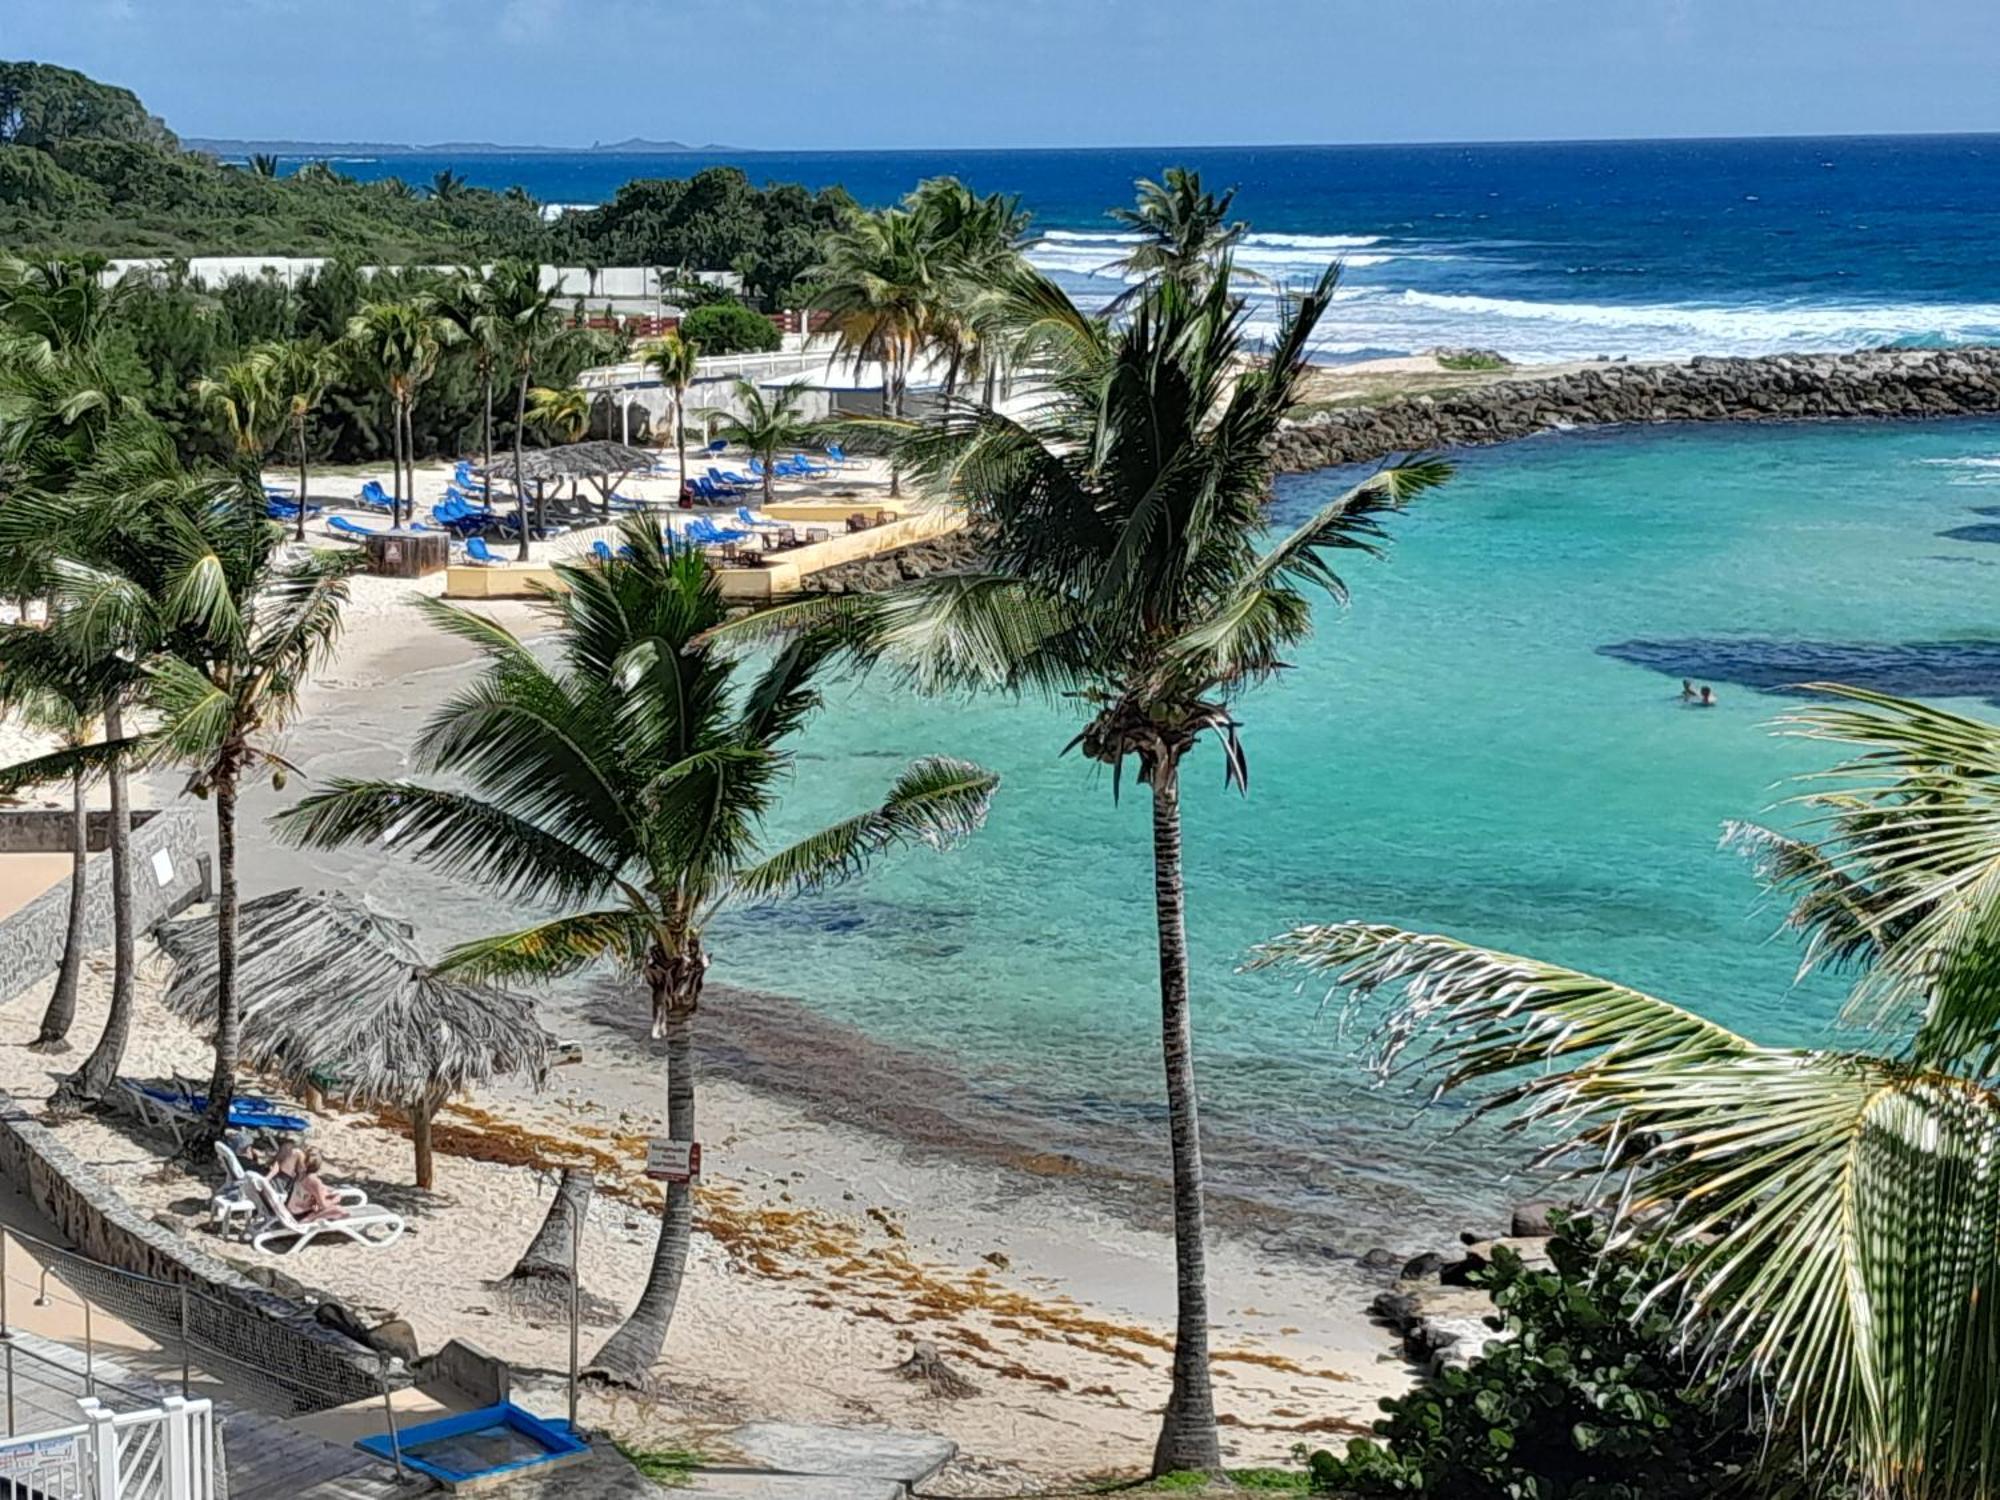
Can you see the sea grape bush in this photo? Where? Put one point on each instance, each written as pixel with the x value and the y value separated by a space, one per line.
pixel 1589 1399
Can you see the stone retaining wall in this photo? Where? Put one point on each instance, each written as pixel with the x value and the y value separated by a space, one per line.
pixel 245 1330
pixel 1901 384
pixel 31 940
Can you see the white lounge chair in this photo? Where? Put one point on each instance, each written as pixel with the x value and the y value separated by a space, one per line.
pixel 234 1201
pixel 359 1225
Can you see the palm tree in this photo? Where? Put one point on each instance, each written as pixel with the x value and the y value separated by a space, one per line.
pixel 47 691
pixel 1183 229
pixel 263 164
pixel 296 375
pixel 767 425
pixel 466 303
pixel 522 323
pixel 399 344
pixel 239 397
pixel 447 185
pixel 562 413
pixel 627 784
pixel 878 286
pixel 1120 519
pixel 178 570
pixel 1838 1207
pixel 973 245
pixel 674 359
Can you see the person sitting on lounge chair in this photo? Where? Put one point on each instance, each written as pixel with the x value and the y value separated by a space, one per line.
pixel 311 1198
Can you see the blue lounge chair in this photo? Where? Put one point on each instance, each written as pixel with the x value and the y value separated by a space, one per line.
pixel 477 551
pixel 374 497
pixel 626 502
pixel 717 448
pixel 839 455
pixel 749 517
pixel 600 551
pixel 246 1112
pixel 810 469
pixel 346 527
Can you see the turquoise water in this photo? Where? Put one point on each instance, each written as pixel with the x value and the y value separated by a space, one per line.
pixel 1456 752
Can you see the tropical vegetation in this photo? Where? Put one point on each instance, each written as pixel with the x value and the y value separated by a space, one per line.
pixel 730 328
pixel 1833 1212
pixel 767 425
pixel 626 786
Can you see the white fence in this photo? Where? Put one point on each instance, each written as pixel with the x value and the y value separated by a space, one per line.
pixel 166 1453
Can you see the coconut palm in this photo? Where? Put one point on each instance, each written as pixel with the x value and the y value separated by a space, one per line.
pixel 521 319
pixel 465 303
pixel 42 688
pixel 563 413
pixel 767 424
pixel 878 287
pixel 674 360
pixel 263 164
pixel 973 245
pixel 1120 520
pixel 177 570
pixel 398 344
pixel 1183 229
pixel 1839 1206
pixel 296 375
pixel 627 784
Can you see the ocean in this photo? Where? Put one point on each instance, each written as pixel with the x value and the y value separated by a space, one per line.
pixel 1487 743
pixel 1541 251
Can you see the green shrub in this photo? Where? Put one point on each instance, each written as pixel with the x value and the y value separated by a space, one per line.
pixel 730 328
pixel 1589 1400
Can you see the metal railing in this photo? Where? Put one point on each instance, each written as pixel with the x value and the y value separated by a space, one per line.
pixel 281 1367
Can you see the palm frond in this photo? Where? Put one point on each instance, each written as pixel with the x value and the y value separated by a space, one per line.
pixel 555 948
pixel 938 802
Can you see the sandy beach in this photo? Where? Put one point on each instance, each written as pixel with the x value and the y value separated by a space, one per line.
pixel 826 1249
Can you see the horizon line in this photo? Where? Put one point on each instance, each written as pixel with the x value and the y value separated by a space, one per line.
pixel 498 148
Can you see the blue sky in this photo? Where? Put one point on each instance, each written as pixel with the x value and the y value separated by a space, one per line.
pixel 888 73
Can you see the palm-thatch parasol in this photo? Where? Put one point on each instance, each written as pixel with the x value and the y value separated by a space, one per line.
pixel 593 460
pixel 337 997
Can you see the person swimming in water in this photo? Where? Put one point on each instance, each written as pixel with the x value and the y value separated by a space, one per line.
pixel 1707 699
pixel 1687 691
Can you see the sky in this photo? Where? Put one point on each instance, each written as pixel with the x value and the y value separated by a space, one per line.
pixel 859 74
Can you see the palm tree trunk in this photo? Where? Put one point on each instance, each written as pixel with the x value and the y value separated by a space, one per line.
pixel 228 1007
pixel 892 376
pixel 396 454
pixel 628 1356
pixel 93 1080
pixel 486 427
pixel 410 454
pixel 1187 1429
pixel 768 458
pixel 421 1115
pixel 61 1012
pixel 681 434
pixel 299 437
pixel 520 489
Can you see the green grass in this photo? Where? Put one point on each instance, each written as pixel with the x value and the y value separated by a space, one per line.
pixel 1255 1481
pixel 673 1467
pixel 1471 362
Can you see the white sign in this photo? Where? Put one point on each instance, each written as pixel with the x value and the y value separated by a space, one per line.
pixel 163 867
pixel 673 1161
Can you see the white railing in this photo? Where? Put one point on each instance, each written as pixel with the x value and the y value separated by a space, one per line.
pixel 166 1453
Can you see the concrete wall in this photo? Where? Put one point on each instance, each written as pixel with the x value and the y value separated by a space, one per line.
pixel 739 585
pixel 170 872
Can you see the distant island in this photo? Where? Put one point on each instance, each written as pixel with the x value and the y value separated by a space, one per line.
pixel 633 147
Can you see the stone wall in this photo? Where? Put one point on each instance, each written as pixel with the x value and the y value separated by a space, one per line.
pixel 31 940
pixel 1886 383
pixel 254 1333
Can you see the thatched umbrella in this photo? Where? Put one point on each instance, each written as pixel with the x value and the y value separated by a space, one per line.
pixel 606 465
pixel 337 997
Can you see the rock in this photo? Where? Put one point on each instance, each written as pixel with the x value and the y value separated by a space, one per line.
pixel 1531 1220
pixel 1420 1266
pixel 395 1338
pixel 1379 1259
pixel 342 1319
pixel 277 1281
pixel 1459 1272
pixel 1397 1309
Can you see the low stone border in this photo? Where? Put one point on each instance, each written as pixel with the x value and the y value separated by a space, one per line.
pixel 275 1336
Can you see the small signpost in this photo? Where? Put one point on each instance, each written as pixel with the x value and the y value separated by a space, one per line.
pixel 673 1161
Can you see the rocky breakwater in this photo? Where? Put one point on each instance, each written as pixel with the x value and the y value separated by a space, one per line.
pixel 954 552
pixel 1880 383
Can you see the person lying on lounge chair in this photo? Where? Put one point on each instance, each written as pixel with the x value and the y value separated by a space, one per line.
pixel 311 1198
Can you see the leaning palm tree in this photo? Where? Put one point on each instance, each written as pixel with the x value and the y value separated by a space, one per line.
pixel 47 691
pixel 766 425
pixel 239 397
pixel 179 570
pixel 627 784
pixel 1183 229
pixel 464 302
pixel 520 317
pixel 398 344
pixel 674 360
pixel 878 285
pixel 1839 1207
pixel 296 376
pixel 1120 521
